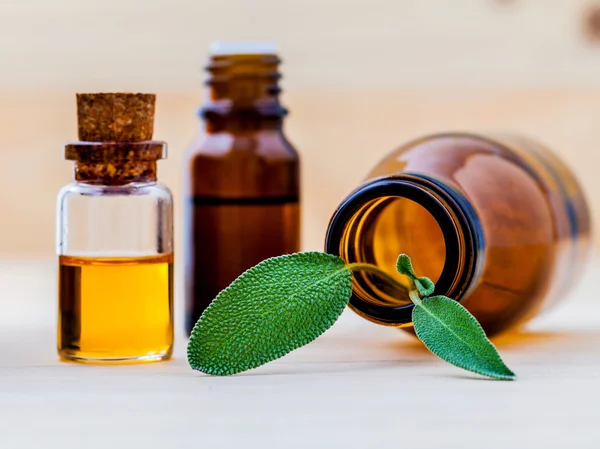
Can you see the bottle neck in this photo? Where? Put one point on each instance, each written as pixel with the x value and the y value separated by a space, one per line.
pixel 406 213
pixel 243 94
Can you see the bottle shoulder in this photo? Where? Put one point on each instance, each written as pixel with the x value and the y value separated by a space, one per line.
pixel 266 145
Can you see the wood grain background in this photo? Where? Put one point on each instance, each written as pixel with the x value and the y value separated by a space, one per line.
pixel 360 79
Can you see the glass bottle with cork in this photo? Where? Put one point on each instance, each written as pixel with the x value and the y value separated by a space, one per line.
pixel 115 237
pixel 498 222
pixel 242 182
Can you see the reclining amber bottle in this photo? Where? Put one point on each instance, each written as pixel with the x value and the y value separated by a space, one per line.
pixel 497 222
pixel 115 237
pixel 241 202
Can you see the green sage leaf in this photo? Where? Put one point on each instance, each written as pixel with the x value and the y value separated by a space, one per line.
pixel 404 266
pixel 277 306
pixel 454 335
pixel 424 285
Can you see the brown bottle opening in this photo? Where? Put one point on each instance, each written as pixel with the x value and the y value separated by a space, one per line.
pixel 409 214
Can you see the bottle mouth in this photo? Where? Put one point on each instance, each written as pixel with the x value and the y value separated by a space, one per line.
pixel 418 215
pixel 244 85
pixel 230 48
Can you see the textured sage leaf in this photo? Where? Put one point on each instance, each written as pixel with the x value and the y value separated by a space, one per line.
pixel 424 285
pixel 453 334
pixel 273 308
pixel 404 266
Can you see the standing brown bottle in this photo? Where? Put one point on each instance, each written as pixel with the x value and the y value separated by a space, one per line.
pixel 242 176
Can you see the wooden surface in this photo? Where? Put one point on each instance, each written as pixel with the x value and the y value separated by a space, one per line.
pixel 358 386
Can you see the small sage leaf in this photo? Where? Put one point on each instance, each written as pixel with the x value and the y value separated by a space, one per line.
pixel 453 334
pixel 424 285
pixel 277 306
pixel 404 266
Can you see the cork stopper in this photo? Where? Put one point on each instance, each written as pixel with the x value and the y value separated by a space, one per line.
pixel 115 144
pixel 115 117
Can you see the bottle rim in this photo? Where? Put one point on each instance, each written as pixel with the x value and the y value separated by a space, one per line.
pixel 457 219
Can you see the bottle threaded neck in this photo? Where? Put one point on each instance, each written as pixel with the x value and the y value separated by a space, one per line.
pixel 244 87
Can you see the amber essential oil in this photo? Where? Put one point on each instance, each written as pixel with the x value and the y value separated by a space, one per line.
pixel 115 309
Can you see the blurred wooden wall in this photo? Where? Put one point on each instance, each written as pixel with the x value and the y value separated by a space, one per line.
pixel 360 79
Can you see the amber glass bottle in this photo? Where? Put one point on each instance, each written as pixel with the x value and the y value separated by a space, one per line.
pixel 242 176
pixel 498 222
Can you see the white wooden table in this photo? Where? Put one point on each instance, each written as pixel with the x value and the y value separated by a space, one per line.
pixel 358 386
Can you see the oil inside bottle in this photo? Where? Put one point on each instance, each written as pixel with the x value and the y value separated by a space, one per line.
pixel 231 235
pixel 115 309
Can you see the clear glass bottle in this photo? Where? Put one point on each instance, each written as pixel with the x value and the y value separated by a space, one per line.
pixel 496 221
pixel 242 176
pixel 115 237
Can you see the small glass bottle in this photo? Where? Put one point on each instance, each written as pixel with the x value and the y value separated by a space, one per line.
pixel 496 221
pixel 115 237
pixel 242 184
